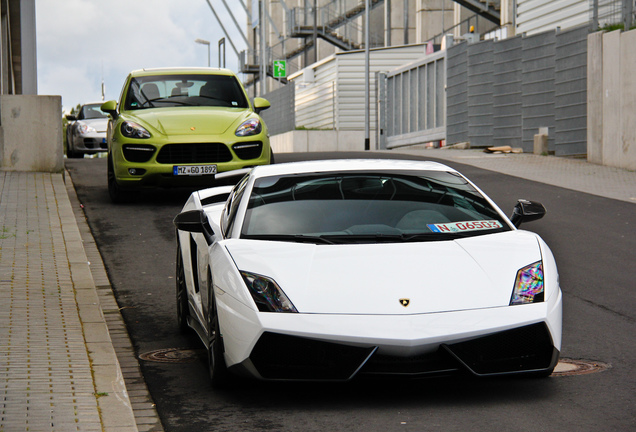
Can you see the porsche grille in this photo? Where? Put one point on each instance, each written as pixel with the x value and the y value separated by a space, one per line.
pixel 194 153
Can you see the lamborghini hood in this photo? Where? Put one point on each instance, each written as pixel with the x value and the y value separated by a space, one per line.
pixel 396 278
pixel 192 120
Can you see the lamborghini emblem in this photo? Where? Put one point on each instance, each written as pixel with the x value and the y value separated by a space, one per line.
pixel 405 302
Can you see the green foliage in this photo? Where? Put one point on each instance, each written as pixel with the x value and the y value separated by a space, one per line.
pixel 305 128
pixel 613 27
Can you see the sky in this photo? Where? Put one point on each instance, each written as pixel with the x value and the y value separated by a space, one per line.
pixel 82 42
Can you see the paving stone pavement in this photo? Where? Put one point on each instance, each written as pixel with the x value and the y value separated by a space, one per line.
pixel 58 368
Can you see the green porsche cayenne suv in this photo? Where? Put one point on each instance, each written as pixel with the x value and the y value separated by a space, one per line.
pixel 180 127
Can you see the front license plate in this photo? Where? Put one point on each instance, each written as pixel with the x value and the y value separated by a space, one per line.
pixel 194 170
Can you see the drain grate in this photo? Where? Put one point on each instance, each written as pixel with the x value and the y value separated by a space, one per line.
pixel 171 355
pixel 569 367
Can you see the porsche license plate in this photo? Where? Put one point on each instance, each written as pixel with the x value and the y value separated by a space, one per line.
pixel 193 170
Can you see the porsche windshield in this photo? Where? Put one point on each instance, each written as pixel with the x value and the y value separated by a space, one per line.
pixel 368 207
pixel 162 91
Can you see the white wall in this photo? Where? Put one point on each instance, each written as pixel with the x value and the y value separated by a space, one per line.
pixel 302 141
pixel 536 16
pixel 330 94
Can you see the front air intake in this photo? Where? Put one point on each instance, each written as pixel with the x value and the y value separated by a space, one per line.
pixel 284 357
pixel 522 349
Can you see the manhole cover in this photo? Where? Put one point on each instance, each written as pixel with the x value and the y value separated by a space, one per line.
pixel 568 367
pixel 170 355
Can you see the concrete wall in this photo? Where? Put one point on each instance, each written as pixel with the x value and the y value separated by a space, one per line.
pixel 31 133
pixel 302 141
pixel 611 136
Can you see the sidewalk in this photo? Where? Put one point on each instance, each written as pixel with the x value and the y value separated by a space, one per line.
pixel 58 367
pixel 575 174
pixel 65 356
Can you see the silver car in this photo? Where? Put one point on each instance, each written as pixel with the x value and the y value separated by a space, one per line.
pixel 86 131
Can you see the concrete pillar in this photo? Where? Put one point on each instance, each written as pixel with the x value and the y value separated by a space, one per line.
pixel 627 143
pixel 507 14
pixel 401 17
pixel 28 48
pixel 611 98
pixel 31 133
pixel 595 98
pixel 432 15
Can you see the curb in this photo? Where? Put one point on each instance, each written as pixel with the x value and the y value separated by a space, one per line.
pixel 115 368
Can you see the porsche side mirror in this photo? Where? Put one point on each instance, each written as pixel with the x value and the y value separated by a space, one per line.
pixel 526 211
pixel 110 107
pixel 71 117
pixel 260 104
pixel 195 221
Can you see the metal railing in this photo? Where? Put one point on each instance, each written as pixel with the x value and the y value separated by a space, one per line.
pixel 332 20
pixel 612 13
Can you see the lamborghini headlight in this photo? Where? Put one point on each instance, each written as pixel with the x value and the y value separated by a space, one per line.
pixel 249 127
pixel 133 130
pixel 267 294
pixel 529 285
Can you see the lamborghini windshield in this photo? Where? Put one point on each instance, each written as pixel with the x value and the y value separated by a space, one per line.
pixel 368 207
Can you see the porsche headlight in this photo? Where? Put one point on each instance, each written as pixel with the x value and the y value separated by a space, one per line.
pixel 84 129
pixel 249 127
pixel 133 130
pixel 267 294
pixel 529 285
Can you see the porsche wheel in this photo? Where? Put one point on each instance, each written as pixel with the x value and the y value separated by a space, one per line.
pixel 117 195
pixel 219 375
pixel 71 153
pixel 183 311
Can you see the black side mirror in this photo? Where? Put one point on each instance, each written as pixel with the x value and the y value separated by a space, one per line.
pixel 71 117
pixel 527 211
pixel 195 221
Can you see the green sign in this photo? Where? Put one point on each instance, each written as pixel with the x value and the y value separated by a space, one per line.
pixel 280 68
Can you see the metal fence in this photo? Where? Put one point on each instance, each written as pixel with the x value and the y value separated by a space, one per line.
pixel 605 13
pixel 412 103
pixel 503 92
pixel 280 117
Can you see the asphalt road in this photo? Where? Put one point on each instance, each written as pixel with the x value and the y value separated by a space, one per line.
pixel 594 242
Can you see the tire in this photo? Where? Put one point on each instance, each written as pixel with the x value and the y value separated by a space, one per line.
pixel 72 154
pixel 117 195
pixel 219 375
pixel 183 310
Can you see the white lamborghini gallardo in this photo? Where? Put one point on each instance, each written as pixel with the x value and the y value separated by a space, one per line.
pixel 330 270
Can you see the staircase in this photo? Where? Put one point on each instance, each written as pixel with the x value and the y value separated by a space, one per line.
pixel 488 9
pixel 329 24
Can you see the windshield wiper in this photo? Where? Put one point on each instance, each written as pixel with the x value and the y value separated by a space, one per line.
pixel 434 236
pixel 398 238
pixel 298 238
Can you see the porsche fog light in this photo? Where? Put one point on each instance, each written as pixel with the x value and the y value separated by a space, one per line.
pixel 267 294
pixel 528 285
pixel 133 130
pixel 249 127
